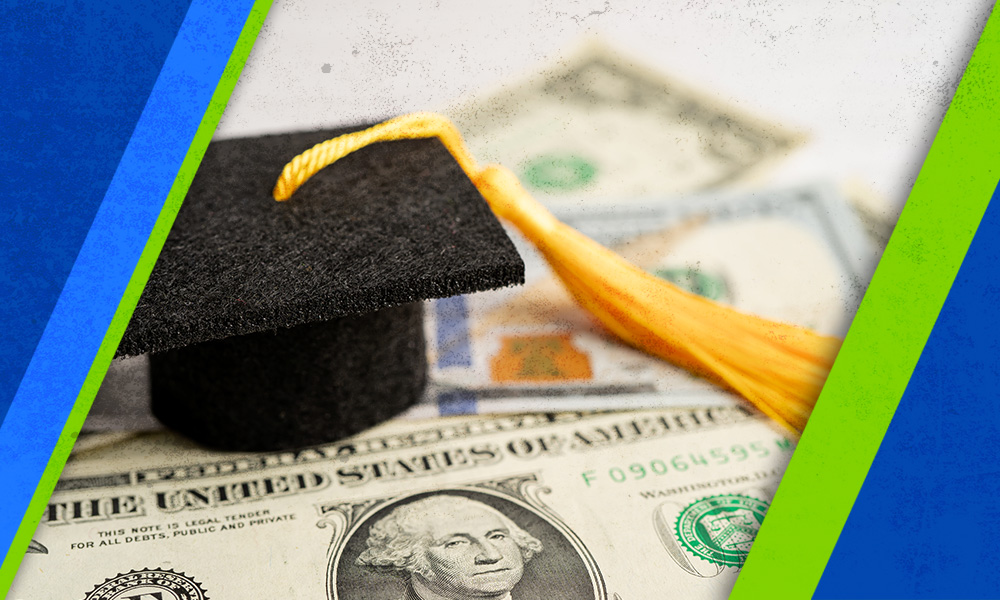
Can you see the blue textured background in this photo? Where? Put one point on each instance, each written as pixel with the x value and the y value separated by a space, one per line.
pixel 107 101
pixel 75 79
pixel 926 523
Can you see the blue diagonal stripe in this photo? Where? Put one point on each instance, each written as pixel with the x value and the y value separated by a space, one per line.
pixel 121 225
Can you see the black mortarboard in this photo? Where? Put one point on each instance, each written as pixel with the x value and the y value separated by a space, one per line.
pixel 277 325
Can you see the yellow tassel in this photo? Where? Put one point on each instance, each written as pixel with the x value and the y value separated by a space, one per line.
pixel 779 368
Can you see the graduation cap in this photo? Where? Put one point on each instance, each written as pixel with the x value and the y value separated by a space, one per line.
pixel 278 325
pixel 778 367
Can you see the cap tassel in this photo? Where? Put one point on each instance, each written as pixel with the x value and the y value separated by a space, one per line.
pixel 779 368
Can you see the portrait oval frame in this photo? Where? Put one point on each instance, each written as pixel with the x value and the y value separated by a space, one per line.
pixel 579 569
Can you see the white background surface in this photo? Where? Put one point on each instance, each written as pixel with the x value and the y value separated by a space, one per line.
pixel 870 81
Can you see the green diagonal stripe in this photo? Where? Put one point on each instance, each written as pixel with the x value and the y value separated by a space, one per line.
pixel 133 291
pixel 886 339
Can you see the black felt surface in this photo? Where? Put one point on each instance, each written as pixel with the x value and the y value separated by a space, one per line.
pixel 303 386
pixel 393 223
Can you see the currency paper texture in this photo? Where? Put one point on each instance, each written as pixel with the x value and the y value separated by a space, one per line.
pixel 626 506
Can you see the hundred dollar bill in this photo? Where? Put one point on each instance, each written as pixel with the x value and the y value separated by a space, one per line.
pixel 623 506
pixel 796 255
pixel 597 126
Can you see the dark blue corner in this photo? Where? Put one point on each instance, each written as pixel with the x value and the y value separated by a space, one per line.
pixel 75 78
pixel 927 522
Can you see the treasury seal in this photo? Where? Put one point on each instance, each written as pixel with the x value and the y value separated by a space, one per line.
pixel 162 584
pixel 721 529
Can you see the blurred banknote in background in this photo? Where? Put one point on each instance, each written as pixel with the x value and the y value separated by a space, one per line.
pixel 616 150
pixel 797 255
pixel 596 127
pixel 540 506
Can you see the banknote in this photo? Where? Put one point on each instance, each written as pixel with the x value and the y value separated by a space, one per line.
pixel 796 255
pixel 872 209
pixel 624 506
pixel 597 126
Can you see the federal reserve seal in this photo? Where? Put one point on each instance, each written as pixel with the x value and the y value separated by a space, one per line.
pixel 721 529
pixel 559 172
pixel 162 584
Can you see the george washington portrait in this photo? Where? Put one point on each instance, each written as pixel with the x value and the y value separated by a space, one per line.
pixel 460 546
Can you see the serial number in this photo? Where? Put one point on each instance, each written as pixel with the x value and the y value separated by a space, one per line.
pixel 686 461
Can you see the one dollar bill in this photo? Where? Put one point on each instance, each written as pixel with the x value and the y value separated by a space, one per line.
pixel 597 126
pixel 629 506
